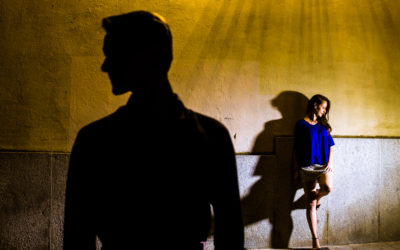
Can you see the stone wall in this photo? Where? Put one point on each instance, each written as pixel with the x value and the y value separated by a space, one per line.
pixel 364 205
pixel 232 58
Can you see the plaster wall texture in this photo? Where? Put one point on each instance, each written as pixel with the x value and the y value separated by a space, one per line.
pixel 232 58
pixel 364 205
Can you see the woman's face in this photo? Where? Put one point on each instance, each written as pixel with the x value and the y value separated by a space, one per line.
pixel 320 110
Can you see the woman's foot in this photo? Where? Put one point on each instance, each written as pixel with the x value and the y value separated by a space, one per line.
pixel 315 243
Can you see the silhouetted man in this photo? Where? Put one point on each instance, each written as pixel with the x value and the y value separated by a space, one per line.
pixel 145 176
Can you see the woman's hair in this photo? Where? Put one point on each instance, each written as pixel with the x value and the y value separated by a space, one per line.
pixel 317 100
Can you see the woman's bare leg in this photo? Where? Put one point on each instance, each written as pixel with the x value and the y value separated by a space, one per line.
pixel 325 183
pixel 311 212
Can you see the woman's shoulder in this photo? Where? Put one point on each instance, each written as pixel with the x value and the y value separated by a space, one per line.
pixel 301 125
pixel 300 122
pixel 304 123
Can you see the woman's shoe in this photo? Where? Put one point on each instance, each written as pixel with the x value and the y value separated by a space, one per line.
pixel 314 247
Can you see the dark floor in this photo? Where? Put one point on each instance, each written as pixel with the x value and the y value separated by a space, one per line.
pixel 368 246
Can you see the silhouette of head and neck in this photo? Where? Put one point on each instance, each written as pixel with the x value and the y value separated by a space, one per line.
pixel 138 51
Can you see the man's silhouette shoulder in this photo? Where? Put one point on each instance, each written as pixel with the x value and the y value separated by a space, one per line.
pixel 127 119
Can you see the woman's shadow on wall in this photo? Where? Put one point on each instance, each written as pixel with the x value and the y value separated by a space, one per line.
pixel 271 197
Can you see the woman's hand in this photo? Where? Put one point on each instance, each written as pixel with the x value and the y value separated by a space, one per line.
pixel 329 168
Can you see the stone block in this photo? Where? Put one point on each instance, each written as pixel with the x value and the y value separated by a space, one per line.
pixel 353 202
pixel 24 200
pixel 59 166
pixel 266 201
pixel 256 185
pixel 389 192
pixel 362 207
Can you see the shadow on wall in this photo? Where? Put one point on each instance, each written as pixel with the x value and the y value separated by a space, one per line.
pixel 272 195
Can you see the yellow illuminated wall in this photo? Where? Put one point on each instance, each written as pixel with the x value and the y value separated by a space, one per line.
pixel 231 59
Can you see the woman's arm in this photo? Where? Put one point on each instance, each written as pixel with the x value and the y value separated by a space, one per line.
pixel 329 165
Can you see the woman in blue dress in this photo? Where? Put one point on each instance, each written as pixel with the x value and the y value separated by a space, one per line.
pixel 313 158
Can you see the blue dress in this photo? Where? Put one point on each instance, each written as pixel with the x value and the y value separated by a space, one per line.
pixel 312 143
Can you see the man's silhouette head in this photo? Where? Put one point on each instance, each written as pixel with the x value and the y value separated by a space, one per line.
pixel 138 50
